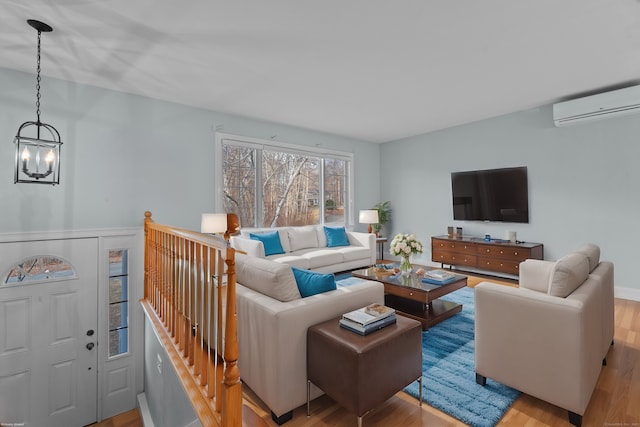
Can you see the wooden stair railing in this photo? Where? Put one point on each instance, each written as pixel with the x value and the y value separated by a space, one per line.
pixel 185 299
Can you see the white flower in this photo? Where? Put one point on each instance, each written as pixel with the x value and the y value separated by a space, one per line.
pixel 405 244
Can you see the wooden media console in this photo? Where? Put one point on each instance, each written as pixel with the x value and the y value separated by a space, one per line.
pixel 473 252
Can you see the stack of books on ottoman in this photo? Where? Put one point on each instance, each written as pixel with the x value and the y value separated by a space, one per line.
pixel 438 277
pixel 368 319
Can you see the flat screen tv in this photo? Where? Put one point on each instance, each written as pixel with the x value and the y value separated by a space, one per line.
pixel 491 195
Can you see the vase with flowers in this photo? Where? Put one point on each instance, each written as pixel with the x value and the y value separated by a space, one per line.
pixel 405 246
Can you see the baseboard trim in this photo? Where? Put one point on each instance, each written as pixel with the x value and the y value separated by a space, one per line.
pixel 632 294
pixel 147 421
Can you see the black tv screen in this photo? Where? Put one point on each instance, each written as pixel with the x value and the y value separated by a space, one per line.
pixel 491 195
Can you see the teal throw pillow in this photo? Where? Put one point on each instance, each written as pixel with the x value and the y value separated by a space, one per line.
pixel 312 283
pixel 270 241
pixel 336 236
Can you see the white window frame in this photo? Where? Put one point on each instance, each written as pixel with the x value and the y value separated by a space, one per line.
pixel 257 143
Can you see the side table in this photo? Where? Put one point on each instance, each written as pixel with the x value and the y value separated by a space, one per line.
pixel 380 241
pixel 361 372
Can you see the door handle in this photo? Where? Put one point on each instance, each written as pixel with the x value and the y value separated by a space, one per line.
pixel 90 346
pixel 90 332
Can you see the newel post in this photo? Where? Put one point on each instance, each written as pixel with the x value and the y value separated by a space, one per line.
pixel 232 387
pixel 147 256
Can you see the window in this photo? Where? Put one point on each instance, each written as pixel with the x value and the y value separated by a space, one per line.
pixel 40 268
pixel 268 184
pixel 335 184
pixel 118 302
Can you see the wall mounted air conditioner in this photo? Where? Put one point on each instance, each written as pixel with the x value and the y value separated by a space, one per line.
pixel 597 107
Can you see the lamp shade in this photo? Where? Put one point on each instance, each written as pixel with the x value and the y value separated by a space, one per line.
pixel 213 223
pixel 369 216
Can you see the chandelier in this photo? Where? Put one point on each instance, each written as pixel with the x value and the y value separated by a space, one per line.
pixel 37 144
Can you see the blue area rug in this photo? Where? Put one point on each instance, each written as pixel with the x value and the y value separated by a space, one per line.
pixel 448 370
pixel 347 281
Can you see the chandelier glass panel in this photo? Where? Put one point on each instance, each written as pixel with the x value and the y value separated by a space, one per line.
pixel 37 155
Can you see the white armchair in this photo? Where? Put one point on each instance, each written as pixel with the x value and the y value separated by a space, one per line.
pixel 549 337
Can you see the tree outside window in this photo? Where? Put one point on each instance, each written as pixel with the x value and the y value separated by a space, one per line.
pixel 272 187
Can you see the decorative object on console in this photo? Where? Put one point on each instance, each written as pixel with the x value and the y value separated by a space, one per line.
pixel 369 216
pixel 454 232
pixel 44 168
pixel 405 245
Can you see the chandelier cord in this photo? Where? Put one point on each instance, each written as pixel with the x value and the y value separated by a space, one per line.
pixel 38 86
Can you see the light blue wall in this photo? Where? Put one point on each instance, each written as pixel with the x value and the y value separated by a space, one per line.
pixel 124 154
pixel 584 182
pixel 169 405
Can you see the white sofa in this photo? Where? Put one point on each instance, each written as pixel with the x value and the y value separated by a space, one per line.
pixel 272 329
pixel 306 247
pixel 548 338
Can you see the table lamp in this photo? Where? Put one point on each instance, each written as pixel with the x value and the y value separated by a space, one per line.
pixel 213 223
pixel 369 216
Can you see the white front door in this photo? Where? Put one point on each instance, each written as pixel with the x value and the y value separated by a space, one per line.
pixel 48 334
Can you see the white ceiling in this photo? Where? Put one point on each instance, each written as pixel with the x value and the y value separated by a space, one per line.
pixel 375 70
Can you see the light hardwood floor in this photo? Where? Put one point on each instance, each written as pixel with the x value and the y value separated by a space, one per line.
pixel 615 401
pixel 126 419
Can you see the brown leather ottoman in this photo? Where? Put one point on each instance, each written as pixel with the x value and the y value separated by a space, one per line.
pixel 361 372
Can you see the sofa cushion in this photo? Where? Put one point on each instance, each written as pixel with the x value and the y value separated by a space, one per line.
pixel 292 260
pixel 569 272
pixel 592 252
pixel 270 240
pixel 312 283
pixel 267 277
pixel 322 238
pixel 321 257
pixel 354 253
pixel 302 238
pixel 336 236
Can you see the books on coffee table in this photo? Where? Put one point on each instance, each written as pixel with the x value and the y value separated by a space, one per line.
pixel 369 314
pixel 368 319
pixel 371 327
pixel 438 277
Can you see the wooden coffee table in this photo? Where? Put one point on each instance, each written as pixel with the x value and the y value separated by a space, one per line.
pixel 413 298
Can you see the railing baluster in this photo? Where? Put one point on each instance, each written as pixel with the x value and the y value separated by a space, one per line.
pixel 192 308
